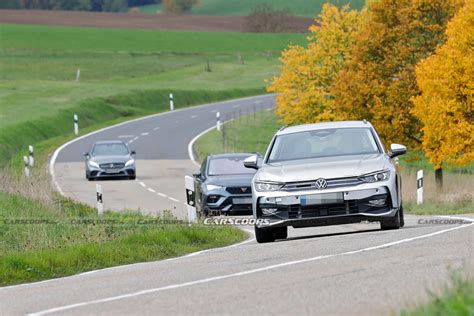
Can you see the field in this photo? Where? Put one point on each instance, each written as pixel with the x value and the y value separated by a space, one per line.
pixel 252 133
pixel 244 7
pixel 39 65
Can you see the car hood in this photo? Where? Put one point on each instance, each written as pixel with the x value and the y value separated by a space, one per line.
pixel 327 167
pixel 230 180
pixel 110 159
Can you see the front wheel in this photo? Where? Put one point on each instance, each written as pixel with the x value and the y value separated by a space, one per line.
pixel 264 235
pixel 393 223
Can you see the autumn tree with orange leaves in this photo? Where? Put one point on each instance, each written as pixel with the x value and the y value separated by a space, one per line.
pixel 445 105
pixel 379 82
pixel 307 74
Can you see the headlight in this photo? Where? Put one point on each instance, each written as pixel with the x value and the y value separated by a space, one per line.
pixel 130 162
pixel 93 164
pixel 376 176
pixel 267 186
pixel 212 187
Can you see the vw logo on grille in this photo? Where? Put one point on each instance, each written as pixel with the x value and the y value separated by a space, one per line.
pixel 111 165
pixel 321 184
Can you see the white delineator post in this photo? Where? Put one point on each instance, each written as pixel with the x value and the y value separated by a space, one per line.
pixel 171 102
pixel 100 202
pixel 76 125
pixel 78 74
pixel 31 158
pixel 419 187
pixel 26 162
pixel 218 121
pixel 190 199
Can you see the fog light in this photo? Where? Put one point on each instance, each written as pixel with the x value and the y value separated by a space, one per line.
pixel 269 211
pixel 377 202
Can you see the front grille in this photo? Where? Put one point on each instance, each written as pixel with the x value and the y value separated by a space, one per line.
pixel 239 190
pixel 331 183
pixel 112 165
pixel 309 211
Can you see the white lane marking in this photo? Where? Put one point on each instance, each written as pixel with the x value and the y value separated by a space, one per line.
pixel 142 184
pixel 162 194
pixel 247 272
pixel 145 134
pixel 125 136
pixel 151 190
pixel 55 155
pixel 129 142
pixel 135 138
pixel 173 199
pixel 156 128
pixel 236 106
pixel 191 155
pixel 268 110
pixel 214 111
pixel 194 116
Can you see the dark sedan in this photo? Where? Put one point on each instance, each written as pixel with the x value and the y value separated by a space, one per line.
pixel 223 185
pixel 108 159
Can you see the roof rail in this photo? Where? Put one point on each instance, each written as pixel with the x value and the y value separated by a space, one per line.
pixel 365 121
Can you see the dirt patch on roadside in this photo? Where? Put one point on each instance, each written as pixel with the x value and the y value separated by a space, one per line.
pixel 139 21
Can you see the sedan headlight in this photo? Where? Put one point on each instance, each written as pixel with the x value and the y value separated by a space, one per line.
pixel 130 162
pixel 212 187
pixel 376 176
pixel 267 186
pixel 93 164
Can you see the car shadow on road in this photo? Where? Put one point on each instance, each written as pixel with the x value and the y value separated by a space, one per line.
pixel 330 234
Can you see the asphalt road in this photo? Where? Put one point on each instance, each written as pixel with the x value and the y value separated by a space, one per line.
pixel 339 270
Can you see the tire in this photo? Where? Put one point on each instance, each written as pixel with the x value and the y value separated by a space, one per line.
pixel 393 223
pixel 402 217
pixel 132 177
pixel 264 235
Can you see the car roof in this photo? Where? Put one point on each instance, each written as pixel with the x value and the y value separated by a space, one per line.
pixel 230 155
pixel 109 142
pixel 323 125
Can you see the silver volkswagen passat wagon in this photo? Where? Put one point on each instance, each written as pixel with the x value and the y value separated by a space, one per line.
pixel 325 174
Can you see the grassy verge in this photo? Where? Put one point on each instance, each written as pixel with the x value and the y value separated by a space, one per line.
pixel 456 300
pixel 252 133
pixel 42 241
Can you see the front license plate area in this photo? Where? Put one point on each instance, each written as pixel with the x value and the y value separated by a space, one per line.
pixel 242 200
pixel 322 199
pixel 112 171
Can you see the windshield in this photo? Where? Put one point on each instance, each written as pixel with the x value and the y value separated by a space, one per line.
pixel 323 143
pixel 228 166
pixel 112 149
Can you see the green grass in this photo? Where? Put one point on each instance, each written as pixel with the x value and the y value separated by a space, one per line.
pixel 38 66
pixel 70 238
pixel 457 299
pixel 250 133
pixel 439 208
pixel 244 7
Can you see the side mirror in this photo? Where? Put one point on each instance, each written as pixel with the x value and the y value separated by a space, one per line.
pixel 133 152
pixel 252 162
pixel 197 174
pixel 86 154
pixel 397 150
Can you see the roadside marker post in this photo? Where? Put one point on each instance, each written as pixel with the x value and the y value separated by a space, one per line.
pixel 76 125
pixel 26 162
pixel 100 201
pixel 171 102
pixel 419 186
pixel 31 158
pixel 78 74
pixel 190 199
pixel 218 121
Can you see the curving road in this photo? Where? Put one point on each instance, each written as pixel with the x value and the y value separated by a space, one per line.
pixel 341 270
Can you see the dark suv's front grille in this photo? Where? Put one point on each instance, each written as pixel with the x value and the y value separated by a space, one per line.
pixel 112 165
pixel 239 190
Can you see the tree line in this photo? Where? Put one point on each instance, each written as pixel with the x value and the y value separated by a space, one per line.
pixel 405 65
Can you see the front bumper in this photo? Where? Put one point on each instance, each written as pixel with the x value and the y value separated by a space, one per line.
pixel 128 171
pixel 328 207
